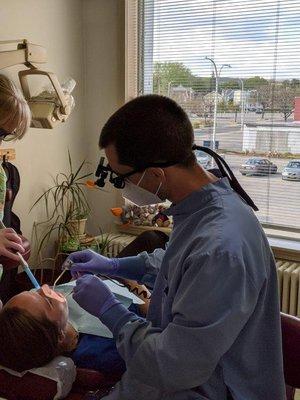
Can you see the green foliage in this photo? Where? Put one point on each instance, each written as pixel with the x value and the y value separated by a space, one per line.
pixel 101 244
pixel 63 202
pixel 255 82
pixel 203 84
pixel 170 73
pixel 295 83
pixel 230 84
pixel 67 195
pixel 72 244
pixel 269 94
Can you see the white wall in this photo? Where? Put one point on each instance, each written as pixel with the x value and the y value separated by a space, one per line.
pixel 104 40
pixel 282 138
pixel 56 25
pixel 84 39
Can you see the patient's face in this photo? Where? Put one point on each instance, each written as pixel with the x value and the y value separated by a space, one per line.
pixel 43 303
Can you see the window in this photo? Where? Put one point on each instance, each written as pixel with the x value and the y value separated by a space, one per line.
pixel 294 164
pixel 234 66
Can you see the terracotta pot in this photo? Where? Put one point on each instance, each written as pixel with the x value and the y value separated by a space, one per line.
pixel 77 227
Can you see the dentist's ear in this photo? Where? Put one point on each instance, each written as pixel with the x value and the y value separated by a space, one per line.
pixel 1 305
pixel 158 173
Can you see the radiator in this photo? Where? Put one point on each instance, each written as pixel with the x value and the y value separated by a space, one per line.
pixel 117 243
pixel 288 274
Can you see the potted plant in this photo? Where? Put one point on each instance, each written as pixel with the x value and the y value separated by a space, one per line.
pixel 66 208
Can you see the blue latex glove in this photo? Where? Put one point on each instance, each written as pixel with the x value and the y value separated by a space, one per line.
pixel 97 299
pixel 89 261
pixel 93 295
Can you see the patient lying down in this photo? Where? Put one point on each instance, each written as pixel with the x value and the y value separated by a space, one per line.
pixel 34 328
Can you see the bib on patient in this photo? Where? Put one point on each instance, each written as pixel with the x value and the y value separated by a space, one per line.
pixel 84 322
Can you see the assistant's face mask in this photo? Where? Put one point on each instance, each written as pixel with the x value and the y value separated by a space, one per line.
pixel 139 196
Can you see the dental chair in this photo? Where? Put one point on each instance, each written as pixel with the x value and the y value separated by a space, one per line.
pixel 35 387
pixel 291 353
pixel 32 386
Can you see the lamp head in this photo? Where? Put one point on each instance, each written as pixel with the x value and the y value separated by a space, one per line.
pixel 48 108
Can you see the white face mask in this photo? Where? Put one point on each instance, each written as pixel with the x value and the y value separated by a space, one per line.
pixel 139 196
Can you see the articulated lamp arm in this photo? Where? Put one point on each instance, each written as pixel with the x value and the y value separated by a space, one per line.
pixel 25 53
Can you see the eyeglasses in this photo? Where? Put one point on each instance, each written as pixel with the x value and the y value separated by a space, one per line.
pixel 7 136
pixel 119 180
pixel 103 171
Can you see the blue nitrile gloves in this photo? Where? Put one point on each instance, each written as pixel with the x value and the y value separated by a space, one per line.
pixel 97 299
pixel 93 295
pixel 90 261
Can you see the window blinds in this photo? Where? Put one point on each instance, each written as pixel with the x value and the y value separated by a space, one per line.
pixel 250 53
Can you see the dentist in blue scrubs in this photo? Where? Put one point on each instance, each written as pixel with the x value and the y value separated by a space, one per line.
pixel 213 325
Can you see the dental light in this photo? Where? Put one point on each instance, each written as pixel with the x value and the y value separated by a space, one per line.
pixel 53 105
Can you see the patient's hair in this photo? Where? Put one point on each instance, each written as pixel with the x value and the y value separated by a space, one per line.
pixel 26 341
pixel 150 129
pixel 14 110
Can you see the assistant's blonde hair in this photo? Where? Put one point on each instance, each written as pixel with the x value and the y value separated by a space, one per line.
pixel 15 115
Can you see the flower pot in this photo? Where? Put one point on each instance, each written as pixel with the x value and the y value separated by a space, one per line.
pixel 77 227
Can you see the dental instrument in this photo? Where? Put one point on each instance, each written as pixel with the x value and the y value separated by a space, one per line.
pixel 58 278
pixel 25 265
pixel 28 272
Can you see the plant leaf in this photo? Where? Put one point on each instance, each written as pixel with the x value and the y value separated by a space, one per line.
pixel 70 161
pixel 79 169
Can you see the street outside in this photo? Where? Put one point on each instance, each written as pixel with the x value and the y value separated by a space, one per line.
pixel 277 200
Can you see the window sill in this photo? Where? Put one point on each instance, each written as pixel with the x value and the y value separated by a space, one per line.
pixel 285 245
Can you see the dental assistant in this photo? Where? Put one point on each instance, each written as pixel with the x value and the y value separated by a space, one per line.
pixel 15 118
pixel 213 326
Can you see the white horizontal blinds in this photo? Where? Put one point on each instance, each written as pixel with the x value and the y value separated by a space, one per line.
pixel 131 49
pixel 255 49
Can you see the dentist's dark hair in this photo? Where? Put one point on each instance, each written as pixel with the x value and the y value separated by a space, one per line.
pixel 154 129
pixel 150 129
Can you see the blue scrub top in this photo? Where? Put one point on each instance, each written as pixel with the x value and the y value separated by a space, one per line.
pixel 213 327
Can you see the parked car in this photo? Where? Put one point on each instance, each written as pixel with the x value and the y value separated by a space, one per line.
pixel 193 115
pixel 258 166
pixel 291 171
pixel 203 159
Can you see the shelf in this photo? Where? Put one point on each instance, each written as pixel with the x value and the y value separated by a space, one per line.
pixel 137 230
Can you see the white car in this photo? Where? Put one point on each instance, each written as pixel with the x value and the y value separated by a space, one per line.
pixel 203 159
pixel 291 171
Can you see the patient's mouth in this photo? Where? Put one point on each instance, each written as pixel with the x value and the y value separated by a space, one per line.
pixel 48 292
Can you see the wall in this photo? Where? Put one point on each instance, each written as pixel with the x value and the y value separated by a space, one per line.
pixel 56 25
pixel 104 42
pixel 84 39
pixel 282 138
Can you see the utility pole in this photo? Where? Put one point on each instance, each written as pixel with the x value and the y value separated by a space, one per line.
pixel 217 76
pixel 242 103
